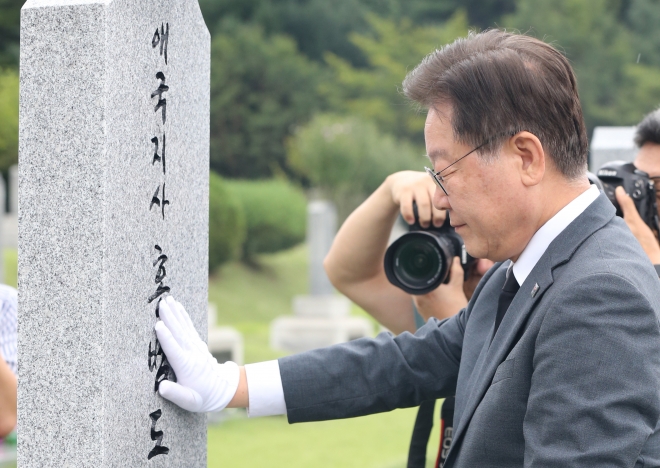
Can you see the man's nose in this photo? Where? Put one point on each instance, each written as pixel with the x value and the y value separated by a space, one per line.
pixel 441 200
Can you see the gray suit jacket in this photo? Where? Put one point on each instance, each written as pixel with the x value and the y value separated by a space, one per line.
pixel 571 378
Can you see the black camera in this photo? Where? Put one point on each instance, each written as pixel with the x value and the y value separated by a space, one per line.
pixel 637 184
pixel 420 260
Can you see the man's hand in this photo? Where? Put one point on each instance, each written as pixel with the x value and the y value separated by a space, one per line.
pixel 409 186
pixel 202 384
pixel 447 299
pixel 638 227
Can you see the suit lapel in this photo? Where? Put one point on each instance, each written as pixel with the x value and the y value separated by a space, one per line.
pixel 562 248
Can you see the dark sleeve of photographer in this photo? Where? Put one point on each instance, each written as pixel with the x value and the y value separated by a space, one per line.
pixel 647 138
pixel 355 261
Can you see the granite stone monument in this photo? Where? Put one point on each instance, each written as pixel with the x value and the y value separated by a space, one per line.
pixel 113 216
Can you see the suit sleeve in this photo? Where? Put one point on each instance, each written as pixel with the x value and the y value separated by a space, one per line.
pixel 373 375
pixel 595 390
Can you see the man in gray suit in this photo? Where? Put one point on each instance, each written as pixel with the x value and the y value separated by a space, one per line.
pixel 555 361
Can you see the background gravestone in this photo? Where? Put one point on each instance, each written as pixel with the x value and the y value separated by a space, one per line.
pixel 113 215
pixel 611 144
pixel 321 318
pixel 321 230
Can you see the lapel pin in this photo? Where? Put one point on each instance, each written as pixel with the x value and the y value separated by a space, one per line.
pixel 535 289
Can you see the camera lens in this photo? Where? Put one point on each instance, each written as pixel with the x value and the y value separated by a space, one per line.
pixel 418 263
pixel 419 260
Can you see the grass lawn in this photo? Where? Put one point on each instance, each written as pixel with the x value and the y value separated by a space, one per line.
pixel 377 441
pixel 10 257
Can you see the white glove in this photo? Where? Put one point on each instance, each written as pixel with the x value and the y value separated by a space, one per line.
pixel 202 384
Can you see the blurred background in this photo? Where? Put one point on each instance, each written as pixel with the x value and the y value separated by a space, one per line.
pixel 306 105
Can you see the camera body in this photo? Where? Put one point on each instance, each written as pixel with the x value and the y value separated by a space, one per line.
pixel 636 183
pixel 420 260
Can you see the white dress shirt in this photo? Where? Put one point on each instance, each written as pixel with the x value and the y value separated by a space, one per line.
pixel 265 392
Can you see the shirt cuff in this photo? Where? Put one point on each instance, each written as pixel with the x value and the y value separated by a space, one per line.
pixel 265 391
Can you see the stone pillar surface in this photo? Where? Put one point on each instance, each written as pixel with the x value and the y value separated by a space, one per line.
pixel 113 216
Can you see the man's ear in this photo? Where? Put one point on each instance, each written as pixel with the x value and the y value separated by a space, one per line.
pixel 530 158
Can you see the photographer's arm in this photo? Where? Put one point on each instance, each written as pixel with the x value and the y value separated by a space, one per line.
pixel 638 227
pixel 355 261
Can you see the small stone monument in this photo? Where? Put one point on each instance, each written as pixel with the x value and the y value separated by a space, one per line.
pixel 321 318
pixel 224 343
pixel 113 216
pixel 611 144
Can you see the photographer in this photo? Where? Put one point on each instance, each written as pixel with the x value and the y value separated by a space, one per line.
pixel 355 261
pixel 647 138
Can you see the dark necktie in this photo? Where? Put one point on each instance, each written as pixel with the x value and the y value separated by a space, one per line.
pixel 509 291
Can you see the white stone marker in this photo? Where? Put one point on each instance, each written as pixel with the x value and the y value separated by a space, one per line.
pixel 113 215
pixel 321 318
pixel 321 230
pixel 611 144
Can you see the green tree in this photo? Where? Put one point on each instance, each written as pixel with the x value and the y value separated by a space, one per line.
pixel 320 26
pixel 275 215
pixel 227 230
pixel 10 13
pixel 347 158
pixel 317 26
pixel 392 51
pixel 260 88
pixel 614 89
pixel 643 18
pixel 8 119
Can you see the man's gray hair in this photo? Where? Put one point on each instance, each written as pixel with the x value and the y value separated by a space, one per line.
pixel 648 130
pixel 499 83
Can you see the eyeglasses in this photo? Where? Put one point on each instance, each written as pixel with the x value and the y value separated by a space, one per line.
pixel 438 179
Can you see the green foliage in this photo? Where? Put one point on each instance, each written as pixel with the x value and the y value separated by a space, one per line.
pixel 10 13
pixel 8 119
pixel 275 214
pixel 392 51
pixel 348 157
pixel 320 26
pixel 486 13
pixel 227 229
pixel 643 17
pixel 614 90
pixel 316 26
pixel 260 88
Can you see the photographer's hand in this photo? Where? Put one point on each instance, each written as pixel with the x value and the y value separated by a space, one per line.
pixel 638 227
pixel 409 186
pixel 355 261
pixel 447 299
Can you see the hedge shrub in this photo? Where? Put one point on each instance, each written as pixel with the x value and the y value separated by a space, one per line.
pixel 227 228
pixel 347 158
pixel 275 215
